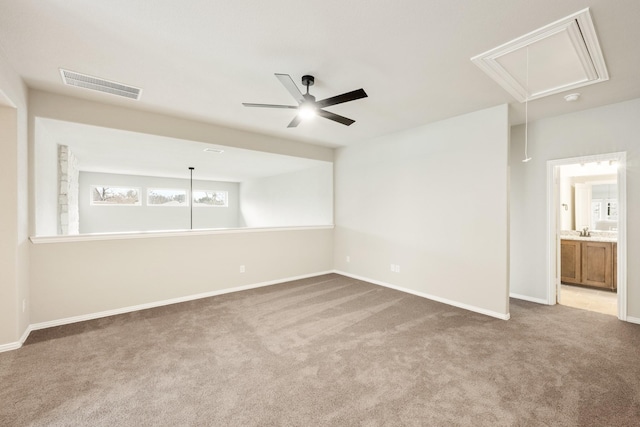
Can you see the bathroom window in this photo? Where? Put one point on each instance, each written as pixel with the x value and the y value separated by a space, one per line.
pixel 103 195
pixel 612 210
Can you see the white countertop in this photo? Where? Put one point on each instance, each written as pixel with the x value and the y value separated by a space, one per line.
pixel 596 236
pixel 590 239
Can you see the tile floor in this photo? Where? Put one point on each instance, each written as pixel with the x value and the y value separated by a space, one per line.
pixel 599 300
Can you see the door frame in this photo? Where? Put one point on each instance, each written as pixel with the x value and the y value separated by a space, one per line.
pixel 553 225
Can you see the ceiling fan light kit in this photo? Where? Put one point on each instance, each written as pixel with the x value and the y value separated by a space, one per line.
pixel 307 105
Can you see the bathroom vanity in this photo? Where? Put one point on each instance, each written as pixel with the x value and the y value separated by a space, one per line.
pixel 590 261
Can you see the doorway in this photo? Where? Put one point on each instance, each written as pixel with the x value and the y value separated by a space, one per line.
pixel 587 233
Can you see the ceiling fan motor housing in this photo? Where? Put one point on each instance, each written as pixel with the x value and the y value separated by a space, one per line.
pixel 308 80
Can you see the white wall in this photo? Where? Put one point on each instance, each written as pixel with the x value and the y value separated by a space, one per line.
pixel 432 200
pixel 566 198
pixel 110 219
pixel 45 182
pixel 293 199
pixel 82 278
pixel 608 129
pixel 14 249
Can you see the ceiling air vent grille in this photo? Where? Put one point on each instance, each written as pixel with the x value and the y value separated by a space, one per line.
pixel 101 85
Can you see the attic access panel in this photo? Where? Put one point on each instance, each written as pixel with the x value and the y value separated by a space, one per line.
pixel 563 55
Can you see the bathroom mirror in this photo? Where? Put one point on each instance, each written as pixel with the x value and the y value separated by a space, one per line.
pixel 589 196
pixel 595 205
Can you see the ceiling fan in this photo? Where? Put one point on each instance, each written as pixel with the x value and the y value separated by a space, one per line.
pixel 307 104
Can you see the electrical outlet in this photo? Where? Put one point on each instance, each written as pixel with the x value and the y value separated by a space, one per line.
pixel 242 269
pixel 397 268
pixel 393 267
pixel 348 258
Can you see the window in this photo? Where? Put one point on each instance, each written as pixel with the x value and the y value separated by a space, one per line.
pixel 210 198
pixel 167 197
pixel 121 196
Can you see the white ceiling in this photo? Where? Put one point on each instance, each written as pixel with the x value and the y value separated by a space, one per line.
pixel 115 151
pixel 201 59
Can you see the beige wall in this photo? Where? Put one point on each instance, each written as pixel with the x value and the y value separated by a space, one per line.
pixel 8 226
pixel 432 200
pixel 59 107
pixel 80 278
pixel 14 249
pixel 608 129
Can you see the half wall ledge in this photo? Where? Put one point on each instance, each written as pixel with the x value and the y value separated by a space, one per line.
pixel 168 233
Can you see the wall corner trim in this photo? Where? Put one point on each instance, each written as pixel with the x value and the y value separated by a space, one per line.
pixel 16 345
pixel 635 320
pixel 468 307
pixel 528 298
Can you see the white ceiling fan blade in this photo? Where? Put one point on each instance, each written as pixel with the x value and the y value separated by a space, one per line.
pixel 289 84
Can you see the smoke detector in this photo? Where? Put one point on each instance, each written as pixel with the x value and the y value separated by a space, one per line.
pixel 572 97
pixel 72 78
pixel 213 150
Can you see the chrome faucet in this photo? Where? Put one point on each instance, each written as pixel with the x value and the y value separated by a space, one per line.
pixel 585 232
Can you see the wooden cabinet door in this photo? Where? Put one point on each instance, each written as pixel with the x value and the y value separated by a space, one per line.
pixel 615 265
pixel 570 260
pixel 597 264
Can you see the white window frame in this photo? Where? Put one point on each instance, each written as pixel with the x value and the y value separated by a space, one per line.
pixel 226 198
pixel 93 203
pixel 186 197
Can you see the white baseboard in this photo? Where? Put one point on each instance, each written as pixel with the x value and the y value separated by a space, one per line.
pixel 528 298
pixel 10 346
pixel 633 320
pixel 16 345
pixel 427 296
pixel 25 334
pixel 106 313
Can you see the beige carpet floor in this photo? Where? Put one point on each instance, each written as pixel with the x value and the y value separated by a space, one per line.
pixel 327 351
